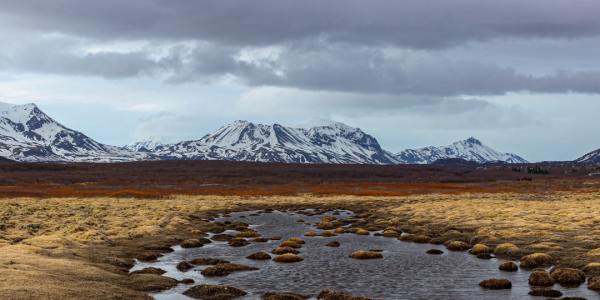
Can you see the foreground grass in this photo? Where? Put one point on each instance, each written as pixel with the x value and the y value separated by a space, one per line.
pixel 81 247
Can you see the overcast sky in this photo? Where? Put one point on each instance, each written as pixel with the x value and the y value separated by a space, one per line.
pixel 521 75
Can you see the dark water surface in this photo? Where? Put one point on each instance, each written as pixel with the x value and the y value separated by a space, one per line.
pixel 405 272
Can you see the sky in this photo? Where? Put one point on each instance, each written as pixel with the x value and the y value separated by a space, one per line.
pixel 523 76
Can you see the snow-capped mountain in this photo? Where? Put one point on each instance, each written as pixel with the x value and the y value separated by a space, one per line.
pixel 28 134
pixel 592 158
pixel 332 142
pixel 470 149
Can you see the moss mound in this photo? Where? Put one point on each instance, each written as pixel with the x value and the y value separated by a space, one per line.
pixel 328 233
pixel 457 246
pixel 592 269
pixel 222 237
pixel 220 270
pixel 594 283
pixel 361 231
pixel 311 233
pixel 496 284
pixel 508 266
pixel 216 292
pixel 390 233
pixel 203 261
pixel 261 255
pixel 480 249
pixel 421 239
pixel 543 292
pixel 283 296
pixel 288 258
pixel 568 276
pixel 238 242
pixel 150 270
pixel 536 260
pixel 338 295
pixel 540 278
pixel 284 250
pixel 184 266
pixel 361 254
pixel 334 244
pixel 247 234
pixel 290 244
pixel 195 243
pixel 507 249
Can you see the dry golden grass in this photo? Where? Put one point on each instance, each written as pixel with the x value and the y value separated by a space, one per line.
pixel 59 248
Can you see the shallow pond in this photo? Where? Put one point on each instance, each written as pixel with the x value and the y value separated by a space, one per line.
pixel 405 272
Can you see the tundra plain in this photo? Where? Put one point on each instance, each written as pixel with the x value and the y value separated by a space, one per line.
pixel 74 230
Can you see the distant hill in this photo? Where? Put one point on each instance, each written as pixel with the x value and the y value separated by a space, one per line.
pixel 470 149
pixel 592 157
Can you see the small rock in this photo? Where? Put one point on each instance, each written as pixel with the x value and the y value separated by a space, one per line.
pixel 435 252
pixel 216 292
pixel 496 284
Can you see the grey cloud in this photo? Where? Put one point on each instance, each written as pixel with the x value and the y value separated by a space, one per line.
pixel 412 23
pixel 326 67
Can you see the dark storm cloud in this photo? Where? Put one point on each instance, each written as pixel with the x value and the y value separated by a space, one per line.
pixel 408 23
pixel 365 47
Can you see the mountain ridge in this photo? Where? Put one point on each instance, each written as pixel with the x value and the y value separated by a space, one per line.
pixel 28 134
pixel 470 149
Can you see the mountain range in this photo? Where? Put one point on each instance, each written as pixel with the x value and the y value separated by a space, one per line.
pixel 28 134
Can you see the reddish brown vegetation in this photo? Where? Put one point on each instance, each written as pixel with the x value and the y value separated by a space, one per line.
pixel 164 178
